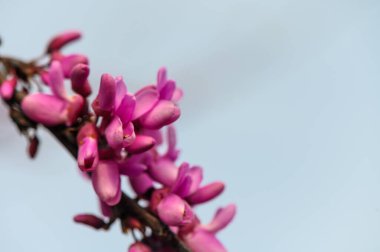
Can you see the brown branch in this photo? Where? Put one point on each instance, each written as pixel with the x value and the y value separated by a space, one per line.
pixel 127 207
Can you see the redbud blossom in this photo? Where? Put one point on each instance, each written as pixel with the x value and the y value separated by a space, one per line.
pixel 7 88
pixel 106 182
pixel 57 42
pixel 90 220
pixel 174 211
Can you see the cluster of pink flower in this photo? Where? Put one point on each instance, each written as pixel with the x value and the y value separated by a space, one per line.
pixel 121 138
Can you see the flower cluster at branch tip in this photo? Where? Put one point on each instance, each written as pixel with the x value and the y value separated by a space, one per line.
pixel 119 136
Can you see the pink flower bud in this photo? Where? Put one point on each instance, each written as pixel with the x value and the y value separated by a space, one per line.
pixel 62 39
pixel 90 220
pixel 7 88
pixel 164 171
pixel 104 103
pixel 88 156
pixel 139 247
pixel 79 82
pixel 106 182
pixel 206 193
pixel 125 108
pixel 46 109
pixel 174 211
pixel 164 113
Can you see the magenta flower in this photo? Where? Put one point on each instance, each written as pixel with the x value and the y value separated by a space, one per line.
pixel 7 88
pixel 90 220
pixel 106 182
pixel 79 82
pixel 156 105
pixel 174 211
pixel 203 239
pixel 59 108
pixel 88 156
pixel 59 41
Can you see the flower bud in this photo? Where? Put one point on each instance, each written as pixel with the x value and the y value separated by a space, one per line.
pixel 106 182
pixel 62 39
pixel 79 82
pixel 174 211
pixel 90 220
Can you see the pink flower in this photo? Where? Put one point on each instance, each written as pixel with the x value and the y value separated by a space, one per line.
pixel 155 106
pixel 106 182
pixel 174 211
pixel 62 39
pixel 52 110
pixel 87 140
pixel 7 88
pixel 203 239
pixel 79 82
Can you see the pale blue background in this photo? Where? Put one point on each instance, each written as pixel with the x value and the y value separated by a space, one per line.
pixel 282 103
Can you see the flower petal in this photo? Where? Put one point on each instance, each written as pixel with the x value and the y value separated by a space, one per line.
pixel 104 103
pixel 164 171
pixel 46 109
pixel 141 183
pixel 114 133
pixel 126 107
pixel 88 156
pixel 206 193
pixel 167 91
pixel 222 218
pixel 121 90
pixel 174 211
pixel 203 241
pixel 68 62
pixel 62 39
pixel 161 78
pixel 164 113
pixel 106 182
pixel 146 99
pixel 7 88
pixel 141 144
pixel 56 80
